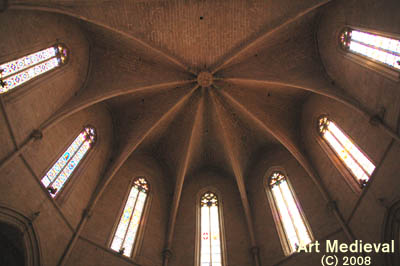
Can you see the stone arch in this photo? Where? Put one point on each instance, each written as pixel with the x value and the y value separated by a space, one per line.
pixel 18 229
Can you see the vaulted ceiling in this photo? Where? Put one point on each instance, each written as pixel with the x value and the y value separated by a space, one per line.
pixel 199 84
pixel 145 58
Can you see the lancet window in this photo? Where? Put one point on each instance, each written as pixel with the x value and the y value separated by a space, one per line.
pixel 291 222
pixel 126 234
pixel 382 49
pixel 356 162
pixel 21 70
pixel 210 228
pixel 61 171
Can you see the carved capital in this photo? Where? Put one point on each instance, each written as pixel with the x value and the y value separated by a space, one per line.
pixel 37 134
pixel 167 253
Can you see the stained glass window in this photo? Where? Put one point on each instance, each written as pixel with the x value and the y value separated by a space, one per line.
pixel 19 71
pixel 378 48
pixel 61 171
pixel 288 214
pixel 356 162
pixel 210 243
pixel 128 226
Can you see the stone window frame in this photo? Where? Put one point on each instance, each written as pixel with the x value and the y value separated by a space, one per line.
pixel 137 244
pixel 28 229
pixel 221 225
pixel 66 190
pixel 334 158
pixel 274 210
pixel 364 61
pixel 29 86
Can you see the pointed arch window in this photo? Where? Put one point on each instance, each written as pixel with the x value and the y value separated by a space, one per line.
pixel 379 48
pixel 19 71
pixel 291 223
pixel 61 171
pixel 211 244
pixel 126 234
pixel 356 162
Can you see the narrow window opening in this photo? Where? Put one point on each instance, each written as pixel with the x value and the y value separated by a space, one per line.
pixel 378 48
pixel 210 243
pixel 360 167
pixel 62 170
pixel 291 222
pixel 19 71
pixel 126 234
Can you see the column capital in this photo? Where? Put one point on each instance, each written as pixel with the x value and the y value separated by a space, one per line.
pixel 167 253
pixel 37 134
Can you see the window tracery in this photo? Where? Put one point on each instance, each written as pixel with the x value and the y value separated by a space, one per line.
pixel 19 71
pixel 126 233
pixel 210 229
pixel 378 48
pixel 290 220
pixel 360 167
pixel 61 171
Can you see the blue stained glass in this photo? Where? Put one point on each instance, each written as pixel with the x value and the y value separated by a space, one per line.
pixel 19 64
pixel 72 165
pixel 66 156
pixel 28 74
pixel 62 178
pixel 59 174
pixel 19 71
pixel 57 167
pixel 68 170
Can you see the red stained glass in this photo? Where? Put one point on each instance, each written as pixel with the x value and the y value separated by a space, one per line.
pixel 210 246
